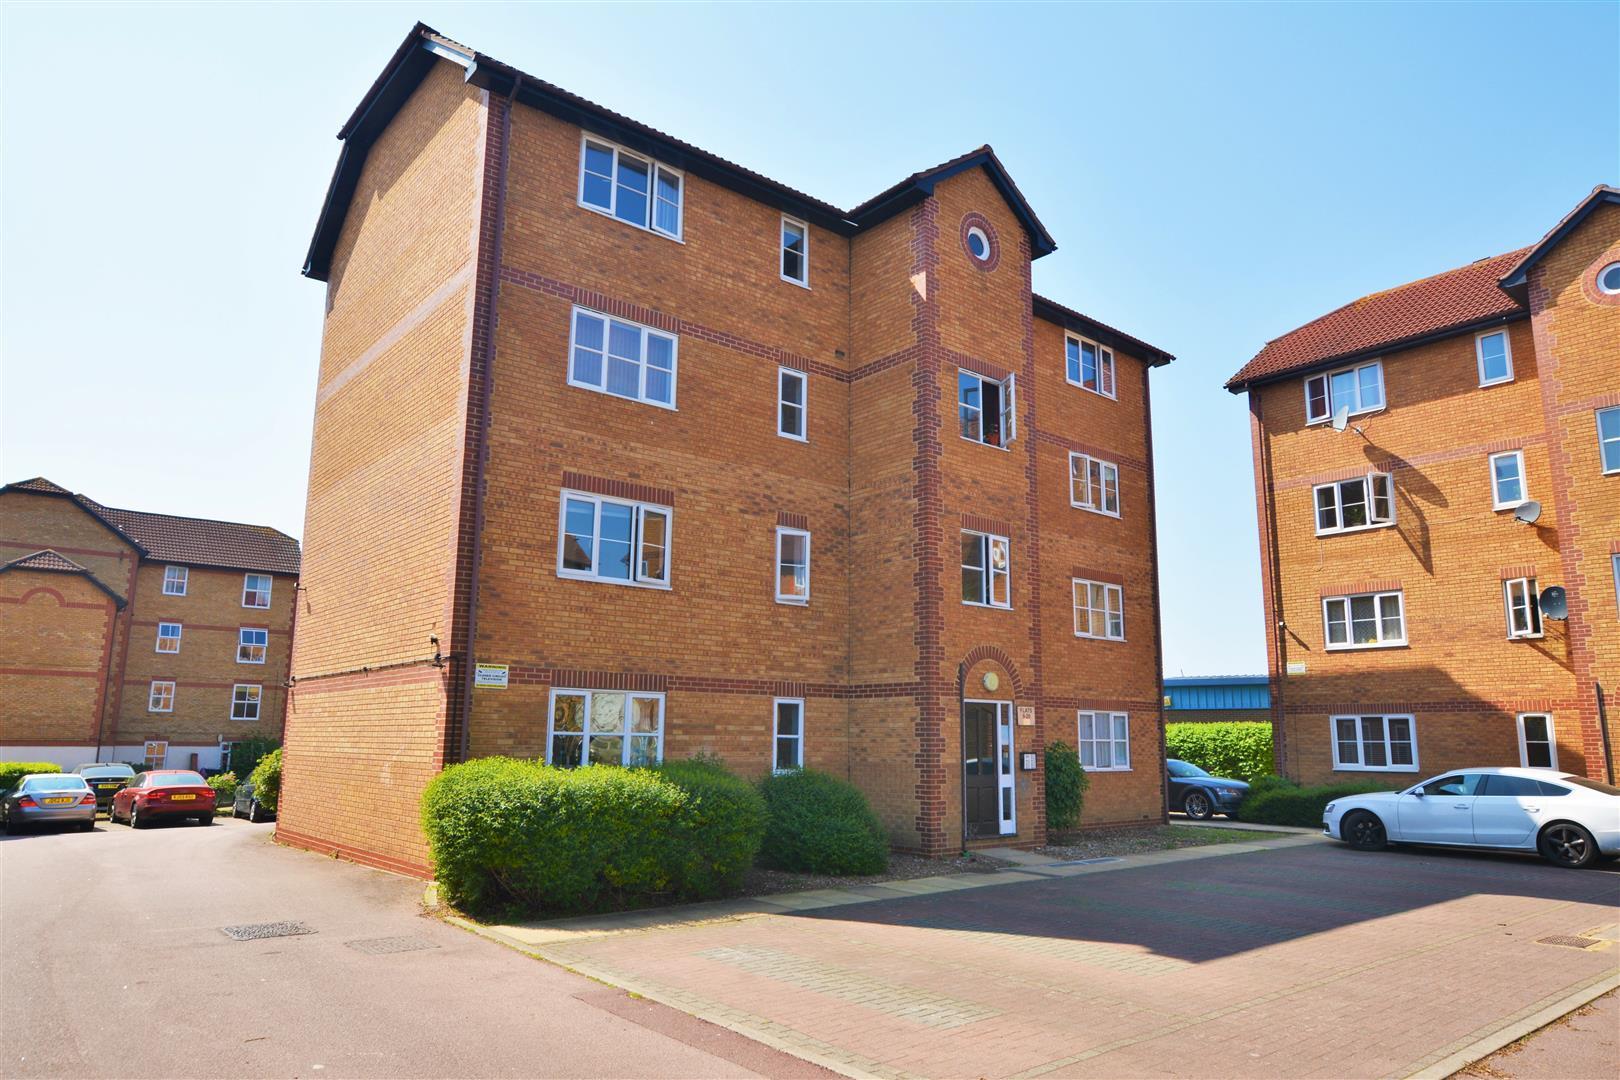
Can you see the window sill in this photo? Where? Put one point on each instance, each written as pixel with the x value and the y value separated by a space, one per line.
pixel 981 442
pixel 1496 382
pixel 1504 507
pixel 1093 510
pixel 1364 648
pixel 599 212
pixel 1096 637
pixel 1351 416
pixel 794 438
pixel 1376 768
pixel 1527 637
pixel 805 285
pixel 993 607
pixel 665 587
pixel 624 397
pixel 1111 768
pixel 1089 390
pixel 1355 529
pixel 793 601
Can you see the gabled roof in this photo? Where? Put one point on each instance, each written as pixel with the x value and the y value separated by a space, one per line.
pixel 424 46
pixel 51 562
pixel 40 486
pixel 1516 281
pixel 1454 302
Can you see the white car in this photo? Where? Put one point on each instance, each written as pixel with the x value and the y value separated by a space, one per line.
pixel 1569 819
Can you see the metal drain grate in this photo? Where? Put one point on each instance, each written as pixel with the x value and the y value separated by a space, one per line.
pixel 1087 862
pixel 378 946
pixel 1567 941
pixel 256 931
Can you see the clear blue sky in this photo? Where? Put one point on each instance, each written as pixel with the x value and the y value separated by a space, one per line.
pixel 1214 176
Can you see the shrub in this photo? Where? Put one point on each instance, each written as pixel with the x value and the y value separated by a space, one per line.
pixel 224 785
pixel 1286 804
pixel 1066 784
pixel 520 836
pixel 1270 782
pixel 1239 751
pixel 13 771
pixel 718 832
pixel 247 753
pixel 820 824
pixel 266 780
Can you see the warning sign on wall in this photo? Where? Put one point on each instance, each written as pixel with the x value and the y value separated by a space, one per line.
pixel 490 676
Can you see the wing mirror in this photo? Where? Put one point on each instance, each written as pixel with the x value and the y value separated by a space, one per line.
pixel 1418 792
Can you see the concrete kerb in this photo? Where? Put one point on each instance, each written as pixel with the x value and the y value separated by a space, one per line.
pixel 1477 1045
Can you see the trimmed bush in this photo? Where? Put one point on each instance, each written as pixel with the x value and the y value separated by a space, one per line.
pixel 1286 804
pixel 718 832
pixel 13 771
pixel 1270 782
pixel 224 785
pixel 1238 751
pixel 820 824
pixel 266 780
pixel 247 753
pixel 1066 784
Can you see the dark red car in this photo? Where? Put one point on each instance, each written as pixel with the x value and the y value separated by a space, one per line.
pixel 164 793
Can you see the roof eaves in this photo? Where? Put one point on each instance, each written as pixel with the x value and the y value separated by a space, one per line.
pixel 1101 332
pixel 71 567
pixel 89 506
pixel 919 185
pixel 1516 281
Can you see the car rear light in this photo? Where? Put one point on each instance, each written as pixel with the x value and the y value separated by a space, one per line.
pixel 28 802
pixel 89 799
pixel 150 795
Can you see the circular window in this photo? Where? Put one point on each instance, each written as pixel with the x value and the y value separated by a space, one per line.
pixel 979 245
pixel 1608 279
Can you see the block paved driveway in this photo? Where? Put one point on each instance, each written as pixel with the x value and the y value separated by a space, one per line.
pixel 1300 960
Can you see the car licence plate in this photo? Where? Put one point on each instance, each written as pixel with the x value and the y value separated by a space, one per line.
pixel 58 802
pixel 106 787
pixel 184 798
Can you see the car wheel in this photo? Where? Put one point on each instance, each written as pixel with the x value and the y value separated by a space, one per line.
pixel 88 826
pixel 253 812
pixel 1363 831
pixel 1197 806
pixel 134 816
pixel 1567 844
pixel 205 819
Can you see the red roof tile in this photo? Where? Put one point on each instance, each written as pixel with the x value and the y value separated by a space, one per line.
pixel 41 486
pixel 1453 300
pixel 45 560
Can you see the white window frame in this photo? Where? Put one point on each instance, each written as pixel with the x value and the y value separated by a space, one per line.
pixel 1106 382
pixel 777 737
pixel 1479 356
pixel 1009 408
pixel 642 361
pixel 1528 602
pixel 638 511
pixel 175 575
pixel 1524 743
pixel 1359 765
pixel 255 699
pixel 1116 745
pixel 1614 565
pixel 623 732
pixel 1378 599
pixel 1497 502
pixel 1326 378
pixel 269 588
pixel 1597 418
pixel 989 573
pixel 783 375
pixel 783 249
pixel 241 633
pixel 179 631
pixel 160 690
pixel 1373 520
pixel 790 598
pixel 654 167
pixel 1110 612
pixel 1083 491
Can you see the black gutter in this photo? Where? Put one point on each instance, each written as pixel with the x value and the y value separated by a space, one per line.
pixel 1102 333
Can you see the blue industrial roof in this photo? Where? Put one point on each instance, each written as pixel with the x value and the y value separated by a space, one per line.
pixel 1218 692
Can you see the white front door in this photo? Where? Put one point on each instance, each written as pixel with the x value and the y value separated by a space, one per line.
pixel 989 799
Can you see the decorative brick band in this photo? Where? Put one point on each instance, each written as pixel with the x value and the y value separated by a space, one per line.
pixel 608 680
pixel 884 363
pixel 1527 570
pixel 977 366
pixel 1074 446
pixel 1124 705
pixel 1103 576
pixel 361 856
pixel 978 523
pixel 32 547
pixel 662 683
pixel 61 601
pixel 792 521
pixel 52 672
pixel 981 653
pixel 1600 401
pixel 152 624
pixel 1395 465
pixel 618 489
pixel 1357 588
pixel 1506 708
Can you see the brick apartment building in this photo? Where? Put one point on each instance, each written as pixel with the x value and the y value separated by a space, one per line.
pixel 1401 586
pixel 698 463
pixel 129 636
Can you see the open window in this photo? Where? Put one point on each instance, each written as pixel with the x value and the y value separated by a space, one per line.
pixel 987 408
pixel 1355 390
pixel 1364 502
pixel 1523 608
pixel 613 540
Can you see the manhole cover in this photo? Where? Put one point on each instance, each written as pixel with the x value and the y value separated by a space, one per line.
pixel 377 946
pixel 1567 942
pixel 255 931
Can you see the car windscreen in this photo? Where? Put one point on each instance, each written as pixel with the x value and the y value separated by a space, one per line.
pixel 55 783
pixel 1185 769
pixel 1595 785
pixel 102 772
pixel 176 779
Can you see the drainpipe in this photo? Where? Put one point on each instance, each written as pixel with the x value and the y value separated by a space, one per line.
pixel 482 457
pixel 1278 630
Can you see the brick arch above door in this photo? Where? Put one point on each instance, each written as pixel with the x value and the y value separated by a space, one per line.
pixel 988 655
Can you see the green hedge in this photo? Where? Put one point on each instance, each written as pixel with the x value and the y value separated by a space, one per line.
pixel 1066 784
pixel 1276 801
pixel 224 785
pixel 13 771
pixel 1238 751
pixel 720 831
pixel 820 824
pixel 266 780
pixel 247 753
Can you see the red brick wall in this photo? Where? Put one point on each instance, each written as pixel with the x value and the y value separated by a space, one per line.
pixel 55 642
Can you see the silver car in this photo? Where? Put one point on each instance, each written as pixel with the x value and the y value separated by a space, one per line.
pixel 48 799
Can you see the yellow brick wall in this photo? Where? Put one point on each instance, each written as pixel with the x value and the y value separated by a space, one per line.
pixel 54 644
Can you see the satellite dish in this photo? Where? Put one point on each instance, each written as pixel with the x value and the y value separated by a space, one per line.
pixel 1554 605
pixel 1528 512
pixel 1341 417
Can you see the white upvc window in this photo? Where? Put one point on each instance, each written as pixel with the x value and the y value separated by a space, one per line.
pixel 160 696
pixel 1088 365
pixel 787 742
pixel 251 645
pixel 174 580
pixel 1374 743
pixel 1538 747
pixel 1099 610
pixel 1367 621
pixel 1105 743
pixel 629 186
pixel 792 404
pixel 256 590
pixel 1608 429
pixel 795 251
pixel 986 570
pixel 1355 389
pixel 607 727
pixel 1495 355
pixel 622 358
pixel 986 408
pixel 615 540
pixel 1365 502
pixel 1523 608
pixel 1094 484
pixel 245 701
pixel 1507 480
pixel 168 637
pixel 792 566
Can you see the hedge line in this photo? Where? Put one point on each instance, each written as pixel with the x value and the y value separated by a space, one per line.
pixel 818 824
pixel 1239 751
pixel 13 771
pixel 1274 800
